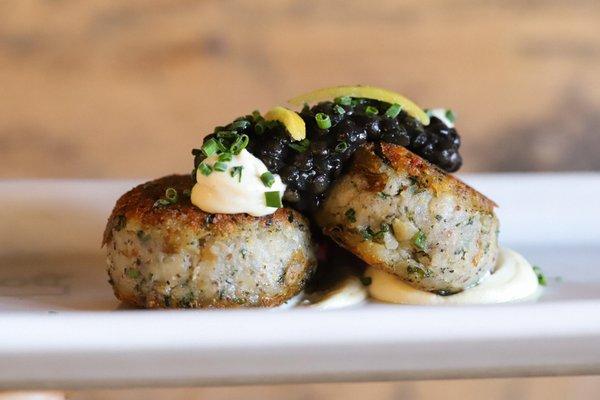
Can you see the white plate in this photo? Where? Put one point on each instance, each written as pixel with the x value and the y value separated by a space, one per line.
pixel 61 327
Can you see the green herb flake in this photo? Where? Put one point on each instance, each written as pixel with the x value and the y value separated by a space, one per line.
pixel 339 109
pixel 371 111
pixel 540 276
pixel 300 146
pixel 323 121
pixel 366 280
pixel 120 223
pixel 367 233
pixel 237 171
pixel 393 111
pixel 187 192
pixel 133 273
pixel 419 240
pixel 273 199
pixel 350 215
pixel 267 179
pixel 143 236
pixel 450 116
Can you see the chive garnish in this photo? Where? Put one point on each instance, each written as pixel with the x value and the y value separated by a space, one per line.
pixel 205 169
pixel 343 100
pixel 371 111
pixel 210 147
pixel 540 276
pixel 225 157
pixel 300 146
pixel 450 115
pixel 339 109
pixel 240 124
pixel 161 203
pixel 273 199
pixel 341 147
pixel 323 121
pixel 393 111
pixel 267 179
pixel 259 128
pixel 171 195
pixel 237 170
pixel 220 166
pixel 240 144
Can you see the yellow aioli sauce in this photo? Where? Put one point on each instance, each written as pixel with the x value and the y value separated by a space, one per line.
pixel 513 280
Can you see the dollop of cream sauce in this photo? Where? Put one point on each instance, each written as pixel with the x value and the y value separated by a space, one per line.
pixel 228 193
pixel 513 280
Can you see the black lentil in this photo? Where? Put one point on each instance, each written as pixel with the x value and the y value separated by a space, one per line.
pixel 308 168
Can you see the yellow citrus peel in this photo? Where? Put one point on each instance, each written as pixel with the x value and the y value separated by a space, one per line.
pixel 367 92
pixel 290 119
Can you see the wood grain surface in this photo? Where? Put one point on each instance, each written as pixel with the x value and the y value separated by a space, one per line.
pixel 127 88
pixel 572 388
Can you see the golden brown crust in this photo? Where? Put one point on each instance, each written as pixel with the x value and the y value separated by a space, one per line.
pixel 428 175
pixel 138 204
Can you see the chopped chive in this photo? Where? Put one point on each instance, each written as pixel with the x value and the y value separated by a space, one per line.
pixel 205 169
pixel 343 100
pixel 341 147
pixel 267 179
pixel 273 199
pixel 240 144
pixel 300 146
pixel 393 111
pixel 220 166
pixel 450 115
pixel 540 276
pixel 222 144
pixel 232 135
pixel 366 280
pixel 240 124
pixel 225 157
pixel 371 111
pixel 420 240
pixel 171 195
pixel 161 203
pixel 259 128
pixel 339 109
pixel 237 170
pixel 210 147
pixel 323 121
pixel 350 215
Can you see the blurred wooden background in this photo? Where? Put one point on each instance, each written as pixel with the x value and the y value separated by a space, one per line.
pixel 127 88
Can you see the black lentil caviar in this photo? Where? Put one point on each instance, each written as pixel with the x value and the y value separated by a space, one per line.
pixel 309 167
